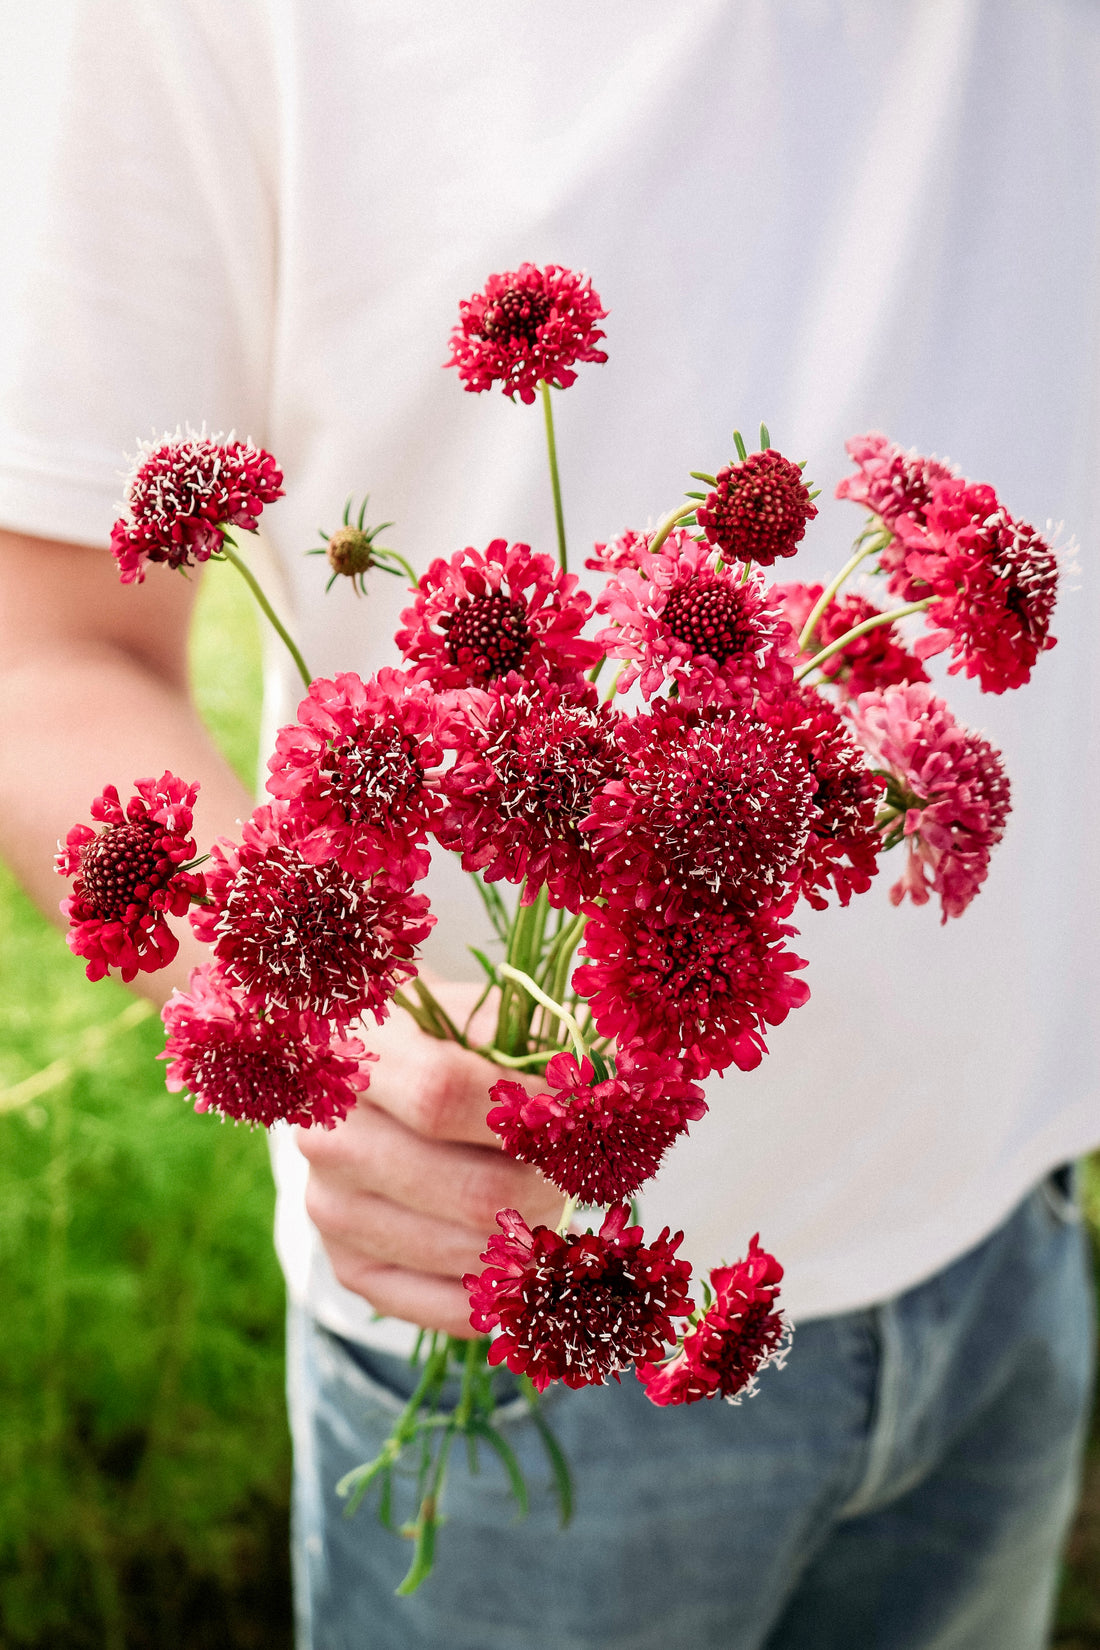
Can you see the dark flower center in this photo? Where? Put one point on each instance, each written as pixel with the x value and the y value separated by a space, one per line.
pixel 122 859
pixel 515 315
pixel 380 772
pixel 709 617
pixel 487 634
pixel 250 1083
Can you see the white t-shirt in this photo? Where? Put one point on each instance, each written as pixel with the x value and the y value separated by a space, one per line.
pixel 831 216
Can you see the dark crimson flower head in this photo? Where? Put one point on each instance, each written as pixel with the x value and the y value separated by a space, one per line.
pixel 181 490
pixel 529 758
pixel 528 324
pixel 758 510
pixel 356 771
pixel 705 984
pixel 678 617
pixel 485 613
pixel 949 790
pixel 713 803
pixel 295 935
pixel 130 876
pixel 738 1335
pixel 257 1066
pixel 890 482
pixel 578 1309
pixel 598 1139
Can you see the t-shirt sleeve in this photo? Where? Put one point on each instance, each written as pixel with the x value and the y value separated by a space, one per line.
pixel 144 292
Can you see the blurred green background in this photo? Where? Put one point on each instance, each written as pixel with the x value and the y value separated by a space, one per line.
pixel 144 1460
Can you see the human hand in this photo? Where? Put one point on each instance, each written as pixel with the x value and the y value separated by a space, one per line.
pixel 405 1191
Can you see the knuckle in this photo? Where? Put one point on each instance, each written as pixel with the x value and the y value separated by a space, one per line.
pixel 431 1101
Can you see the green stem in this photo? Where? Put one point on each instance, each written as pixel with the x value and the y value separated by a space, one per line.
pixel 555 480
pixel 266 608
pixel 533 989
pixel 569 1209
pixel 859 630
pixel 667 523
pixel 831 589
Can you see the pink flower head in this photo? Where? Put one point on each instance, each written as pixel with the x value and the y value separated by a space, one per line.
pixel 842 846
pixel 871 661
pixel 995 582
pixel 758 510
pixel 181 491
pixel 130 877
pixel 598 1138
pixel 530 757
pixel 356 771
pixel 679 617
pixel 890 482
pixel 578 1309
pixel 295 935
pixel 256 1066
pixel 705 984
pixel 712 804
pixel 628 549
pixel 485 613
pixel 528 324
pixel 949 791
pixel 738 1335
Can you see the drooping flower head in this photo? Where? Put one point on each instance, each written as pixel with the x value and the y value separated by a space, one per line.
pixel 949 789
pixel 890 482
pixel 357 772
pixel 578 1309
pixel 485 613
pixel 181 490
pixel 597 1138
pixel 130 876
pixel 758 510
pixel 712 804
pixel 256 1066
pixel 873 660
pixel 296 935
pixel 705 984
pixel 738 1335
pixel 529 758
pixel 678 617
pixel 528 324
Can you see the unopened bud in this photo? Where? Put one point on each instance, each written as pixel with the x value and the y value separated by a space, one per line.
pixel 349 552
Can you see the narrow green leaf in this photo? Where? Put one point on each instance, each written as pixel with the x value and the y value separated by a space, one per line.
pixel 559 1466
pixel 496 1441
pixel 739 443
pixel 765 438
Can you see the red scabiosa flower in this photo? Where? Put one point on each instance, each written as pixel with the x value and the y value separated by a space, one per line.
pixel 727 1346
pixel 530 757
pixel 528 324
pixel 948 793
pixel 578 1309
pixel 256 1066
pixel 712 804
pixel 485 613
pixel 181 490
pixel 130 876
pixel 890 482
pixel 842 846
pixel 705 984
pixel 301 936
pixel 681 618
pixel 628 549
pixel 598 1139
pixel 758 510
pixel 871 661
pixel 356 771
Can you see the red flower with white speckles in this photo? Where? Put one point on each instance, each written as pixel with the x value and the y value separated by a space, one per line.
pixel 711 804
pixel 530 757
pixel 130 877
pixel 628 549
pixel 949 794
pixel 842 846
pixel 356 770
pixel 258 1067
pixel 758 510
pixel 872 661
pixel 181 490
pixel 528 324
pixel 678 618
pixel 485 613
pixel 890 482
pixel 706 983
pixel 300 936
pixel 738 1335
pixel 598 1139
pixel 578 1309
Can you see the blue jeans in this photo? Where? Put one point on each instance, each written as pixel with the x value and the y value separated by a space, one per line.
pixel 905 1483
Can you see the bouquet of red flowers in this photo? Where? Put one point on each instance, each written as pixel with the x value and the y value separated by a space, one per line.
pixel 777 738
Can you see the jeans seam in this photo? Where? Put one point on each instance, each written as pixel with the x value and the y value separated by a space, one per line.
pixel 886 1407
